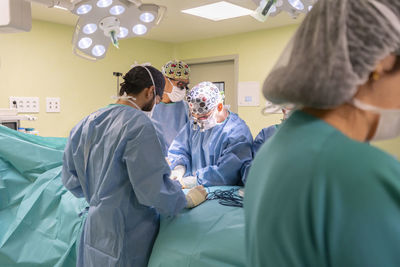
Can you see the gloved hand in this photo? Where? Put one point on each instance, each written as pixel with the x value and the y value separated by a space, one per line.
pixel 188 182
pixel 178 172
pixel 196 196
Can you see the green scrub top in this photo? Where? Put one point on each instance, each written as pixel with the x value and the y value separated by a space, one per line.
pixel 315 197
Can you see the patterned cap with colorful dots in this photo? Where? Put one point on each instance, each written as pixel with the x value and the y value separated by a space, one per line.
pixel 176 69
pixel 204 97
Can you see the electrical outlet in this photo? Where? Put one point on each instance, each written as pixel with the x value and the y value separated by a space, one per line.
pixel 53 105
pixel 25 104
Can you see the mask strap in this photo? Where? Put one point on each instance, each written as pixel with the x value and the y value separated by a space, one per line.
pixel 171 83
pixel 364 106
pixel 151 76
pixel 133 103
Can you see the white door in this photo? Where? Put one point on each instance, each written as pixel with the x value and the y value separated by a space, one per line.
pixel 222 73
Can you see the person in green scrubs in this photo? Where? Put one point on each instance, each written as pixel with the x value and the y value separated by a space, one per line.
pixel 317 193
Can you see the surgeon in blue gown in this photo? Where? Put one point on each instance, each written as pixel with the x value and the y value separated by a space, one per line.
pixel 114 160
pixel 214 147
pixel 172 113
pixel 268 132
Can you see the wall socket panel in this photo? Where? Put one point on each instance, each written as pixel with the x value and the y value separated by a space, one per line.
pixel 53 104
pixel 25 104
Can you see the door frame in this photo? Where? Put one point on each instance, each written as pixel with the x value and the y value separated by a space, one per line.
pixel 235 58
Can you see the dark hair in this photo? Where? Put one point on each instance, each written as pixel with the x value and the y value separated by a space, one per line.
pixel 138 78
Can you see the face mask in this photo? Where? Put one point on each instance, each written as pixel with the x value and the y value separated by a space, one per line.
pixel 389 120
pixel 150 113
pixel 177 94
pixel 206 124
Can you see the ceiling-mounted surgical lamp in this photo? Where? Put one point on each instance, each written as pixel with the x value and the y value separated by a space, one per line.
pixel 274 7
pixel 100 21
pixel 104 21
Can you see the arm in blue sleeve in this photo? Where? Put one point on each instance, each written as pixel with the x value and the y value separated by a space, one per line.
pixel 228 170
pixel 238 153
pixel 149 173
pixel 179 151
pixel 263 136
pixel 69 173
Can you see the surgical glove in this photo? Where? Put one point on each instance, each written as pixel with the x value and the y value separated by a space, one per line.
pixel 196 196
pixel 188 182
pixel 178 172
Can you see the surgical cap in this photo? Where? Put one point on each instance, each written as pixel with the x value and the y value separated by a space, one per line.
pixel 177 70
pixel 334 51
pixel 204 97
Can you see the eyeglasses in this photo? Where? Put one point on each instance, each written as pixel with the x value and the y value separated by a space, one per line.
pixel 180 84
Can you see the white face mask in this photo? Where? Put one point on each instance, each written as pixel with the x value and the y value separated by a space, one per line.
pixel 389 120
pixel 177 94
pixel 150 113
pixel 208 123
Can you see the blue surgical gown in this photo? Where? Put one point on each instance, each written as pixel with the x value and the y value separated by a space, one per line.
pixel 260 139
pixel 263 136
pixel 171 117
pixel 315 197
pixel 216 156
pixel 114 160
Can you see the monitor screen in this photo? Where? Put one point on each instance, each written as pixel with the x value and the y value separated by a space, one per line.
pixel 10 124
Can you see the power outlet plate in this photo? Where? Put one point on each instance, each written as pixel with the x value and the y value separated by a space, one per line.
pixel 53 105
pixel 25 104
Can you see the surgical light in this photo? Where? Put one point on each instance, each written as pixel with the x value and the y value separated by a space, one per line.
pixel 139 29
pixel 100 21
pixel 90 28
pixel 112 20
pixel 98 50
pixel 117 10
pixel 271 8
pixel 83 9
pixel 85 43
pixel 104 3
pixel 297 4
pixel 147 17
pixel 123 32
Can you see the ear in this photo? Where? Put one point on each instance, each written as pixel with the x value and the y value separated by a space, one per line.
pixel 149 92
pixel 220 107
pixel 385 64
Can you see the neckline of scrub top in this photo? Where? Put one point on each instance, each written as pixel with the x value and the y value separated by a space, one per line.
pixel 307 116
pixel 122 105
pixel 170 103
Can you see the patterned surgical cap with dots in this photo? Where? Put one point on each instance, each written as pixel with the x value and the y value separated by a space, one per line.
pixel 176 69
pixel 203 98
